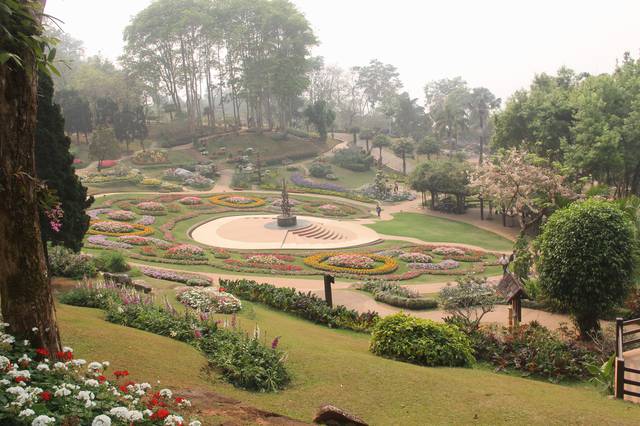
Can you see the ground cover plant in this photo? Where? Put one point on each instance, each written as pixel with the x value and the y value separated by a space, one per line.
pixel 209 300
pixel 394 294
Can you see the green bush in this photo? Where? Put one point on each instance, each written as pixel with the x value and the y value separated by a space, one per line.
pixel 298 133
pixel 111 261
pixel 353 158
pixel 421 341
pixel 64 262
pixel 305 305
pixel 586 260
pixel 318 169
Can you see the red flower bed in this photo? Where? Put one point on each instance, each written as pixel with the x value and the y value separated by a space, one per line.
pixel 108 163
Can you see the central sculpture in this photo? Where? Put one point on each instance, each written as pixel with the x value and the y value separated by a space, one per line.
pixel 286 219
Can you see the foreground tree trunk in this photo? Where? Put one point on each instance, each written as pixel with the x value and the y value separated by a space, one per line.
pixel 25 290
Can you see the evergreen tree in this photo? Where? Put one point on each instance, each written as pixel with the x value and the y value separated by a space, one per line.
pixel 54 166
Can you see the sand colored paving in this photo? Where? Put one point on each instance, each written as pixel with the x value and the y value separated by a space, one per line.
pixel 259 232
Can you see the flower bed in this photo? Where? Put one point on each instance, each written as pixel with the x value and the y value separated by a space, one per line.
pixel 359 263
pixel 190 201
pixel 185 251
pixel 101 241
pixel 146 220
pixel 105 164
pixel 209 300
pixel 94 213
pixel 121 215
pixel 179 277
pixel 299 180
pixel 448 251
pixel 151 207
pixel 256 264
pixel 144 241
pixel 444 265
pixel 413 257
pixel 242 359
pixel 116 229
pixel 39 388
pixel 238 201
pixel 150 156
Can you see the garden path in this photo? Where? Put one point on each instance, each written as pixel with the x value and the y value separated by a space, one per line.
pixel 343 294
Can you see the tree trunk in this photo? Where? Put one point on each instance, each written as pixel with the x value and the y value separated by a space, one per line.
pixel 25 289
pixel 404 164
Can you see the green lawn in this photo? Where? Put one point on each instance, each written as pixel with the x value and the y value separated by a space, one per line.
pixel 332 366
pixel 435 229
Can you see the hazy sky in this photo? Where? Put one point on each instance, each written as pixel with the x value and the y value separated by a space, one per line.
pixel 499 44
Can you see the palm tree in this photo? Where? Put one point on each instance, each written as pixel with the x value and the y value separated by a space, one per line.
pixel 402 148
pixel 380 141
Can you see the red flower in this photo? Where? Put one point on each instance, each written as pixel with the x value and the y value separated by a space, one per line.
pixel 102 379
pixel 45 396
pixel 64 356
pixel 121 373
pixel 42 352
pixel 222 289
pixel 20 379
pixel 161 414
pixel 179 400
pixel 124 386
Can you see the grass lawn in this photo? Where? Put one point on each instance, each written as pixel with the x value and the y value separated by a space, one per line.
pixel 332 366
pixel 435 229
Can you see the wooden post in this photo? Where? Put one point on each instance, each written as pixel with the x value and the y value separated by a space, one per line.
pixel 619 363
pixel 510 318
pixel 328 280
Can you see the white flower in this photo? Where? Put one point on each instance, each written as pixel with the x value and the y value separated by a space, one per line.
pixel 101 420
pixel 92 383
pixel 67 349
pixel 42 367
pixel 120 412
pixel 19 373
pixel 173 420
pixel 134 416
pixel 106 363
pixel 26 342
pixel 26 413
pixel 24 358
pixel 147 413
pixel 195 423
pixel 94 366
pixel 166 393
pixel 4 362
pixel 34 329
pixel 78 362
pixel 59 366
pixel 5 324
pixel 4 382
pixel 43 421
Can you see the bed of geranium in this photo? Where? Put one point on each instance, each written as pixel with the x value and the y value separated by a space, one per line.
pixel 154 230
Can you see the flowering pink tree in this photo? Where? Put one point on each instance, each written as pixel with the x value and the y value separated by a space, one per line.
pixel 518 182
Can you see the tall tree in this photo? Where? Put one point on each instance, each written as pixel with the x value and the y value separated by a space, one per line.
pixel 321 117
pixel 378 81
pixel 104 145
pixel 54 165
pixel 25 290
pixel 447 103
pixel 402 148
pixel 380 141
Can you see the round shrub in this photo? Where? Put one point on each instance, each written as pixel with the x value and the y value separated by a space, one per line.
pixel 420 341
pixel 586 260
pixel 112 261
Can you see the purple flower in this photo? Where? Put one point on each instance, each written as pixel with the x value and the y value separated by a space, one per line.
pixel 274 343
pixel 101 240
pixel 299 180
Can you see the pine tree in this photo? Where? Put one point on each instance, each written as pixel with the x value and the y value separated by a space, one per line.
pixel 54 167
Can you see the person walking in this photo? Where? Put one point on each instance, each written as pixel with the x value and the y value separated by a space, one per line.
pixel 378 210
pixel 504 261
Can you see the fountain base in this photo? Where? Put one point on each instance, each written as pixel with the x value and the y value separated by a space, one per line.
pixel 287 221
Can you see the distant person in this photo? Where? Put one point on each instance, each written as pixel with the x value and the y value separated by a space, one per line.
pixel 395 187
pixel 504 261
pixel 378 210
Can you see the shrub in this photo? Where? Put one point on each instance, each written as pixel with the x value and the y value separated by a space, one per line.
pixel 586 260
pixel 420 341
pixel 63 262
pixel 209 300
pixel 305 305
pixel 198 282
pixel 533 349
pixel 318 169
pixel 468 301
pixel 355 159
pixel 112 261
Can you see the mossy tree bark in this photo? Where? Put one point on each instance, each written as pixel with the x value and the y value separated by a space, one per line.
pixel 25 289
